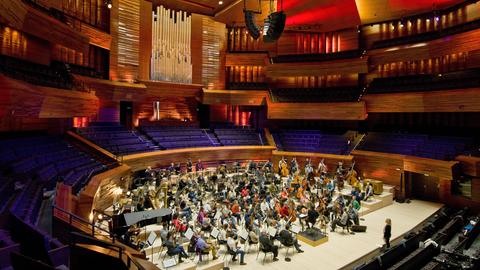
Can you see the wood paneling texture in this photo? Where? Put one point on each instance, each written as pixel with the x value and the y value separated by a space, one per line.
pixel 389 167
pixel 20 45
pixel 318 111
pixel 382 166
pixel 316 81
pixel 246 59
pixel 432 167
pixel 470 165
pixel 125 31
pixel 24 105
pixel 209 46
pixel 171 108
pixel 234 97
pixel 314 42
pixel 460 100
pixel 145 40
pixel 97 37
pixel 330 160
pixel 164 158
pixel 417 25
pixel 346 66
pixel 168 89
pixel 463 42
pixel 32 21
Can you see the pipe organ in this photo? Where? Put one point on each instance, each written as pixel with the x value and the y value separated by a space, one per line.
pixel 171 46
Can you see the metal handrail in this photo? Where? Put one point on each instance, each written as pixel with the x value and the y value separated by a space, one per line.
pixel 129 257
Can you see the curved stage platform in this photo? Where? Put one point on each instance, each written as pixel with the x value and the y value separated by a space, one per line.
pixel 341 250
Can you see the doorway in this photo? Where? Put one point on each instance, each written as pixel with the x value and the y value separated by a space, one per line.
pixel 421 186
pixel 126 114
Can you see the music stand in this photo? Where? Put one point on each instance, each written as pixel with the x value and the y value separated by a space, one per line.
pixel 150 240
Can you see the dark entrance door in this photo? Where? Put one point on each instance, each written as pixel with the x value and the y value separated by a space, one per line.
pixel 126 113
pixel 422 186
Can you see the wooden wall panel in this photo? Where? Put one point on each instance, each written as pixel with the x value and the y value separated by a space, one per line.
pixel 145 40
pixel 19 45
pixel 463 42
pixel 24 105
pixel 29 20
pixel 59 103
pixel 347 66
pixel 171 108
pixel 318 111
pixel 209 45
pixel 432 167
pixel 125 31
pixel 168 89
pixel 234 97
pixel 382 166
pixel 96 37
pixel 461 100
pixel 246 59
pixel 164 158
pixel 470 165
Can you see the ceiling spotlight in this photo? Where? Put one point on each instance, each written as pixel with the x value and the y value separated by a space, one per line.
pixel 108 3
pixel 428 20
pixel 437 18
pixel 220 2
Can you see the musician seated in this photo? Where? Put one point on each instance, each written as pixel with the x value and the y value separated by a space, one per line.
pixel 202 247
pixel 368 191
pixel 173 249
pixel 252 237
pixel 287 239
pixel 268 246
pixel 222 235
pixel 179 226
pixel 343 221
pixel 234 250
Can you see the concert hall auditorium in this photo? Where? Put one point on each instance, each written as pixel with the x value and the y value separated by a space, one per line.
pixel 239 134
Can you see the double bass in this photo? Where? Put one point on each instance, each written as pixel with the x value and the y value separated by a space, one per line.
pixel 284 170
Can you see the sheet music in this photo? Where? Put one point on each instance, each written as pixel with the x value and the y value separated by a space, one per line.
pixel 272 231
pixel 189 234
pixel 169 262
pixel 215 232
pixel 151 238
pixel 243 234
pixel 295 228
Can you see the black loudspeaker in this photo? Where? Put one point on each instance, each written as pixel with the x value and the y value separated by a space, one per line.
pixel 359 228
pixel 273 26
pixel 252 28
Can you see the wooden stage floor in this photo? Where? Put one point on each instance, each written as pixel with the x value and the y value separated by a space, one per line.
pixel 342 248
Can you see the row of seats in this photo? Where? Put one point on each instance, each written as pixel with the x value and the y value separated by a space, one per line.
pixel 426 82
pixel 422 145
pixel 311 141
pixel 408 253
pixel 51 76
pixel 327 94
pixel 184 137
pixel 116 138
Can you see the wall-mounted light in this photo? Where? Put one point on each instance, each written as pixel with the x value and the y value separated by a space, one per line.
pixel 108 3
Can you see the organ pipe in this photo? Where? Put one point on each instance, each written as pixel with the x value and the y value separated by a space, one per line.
pixel 171 50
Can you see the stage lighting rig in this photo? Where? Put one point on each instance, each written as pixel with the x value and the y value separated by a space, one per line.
pixel 252 28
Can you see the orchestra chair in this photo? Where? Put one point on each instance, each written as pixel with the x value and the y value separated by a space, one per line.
pixel 250 243
pixel 265 252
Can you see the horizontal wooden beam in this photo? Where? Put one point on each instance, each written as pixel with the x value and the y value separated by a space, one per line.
pixel 246 59
pixel 459 100
pixel 163 158
pixel 317 111
pixel 337 67
pixel 234 97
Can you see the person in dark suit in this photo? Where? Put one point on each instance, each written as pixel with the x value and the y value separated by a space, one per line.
pixel 268 245
pixel 287 239
pixel 312 216
pixel 387 232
